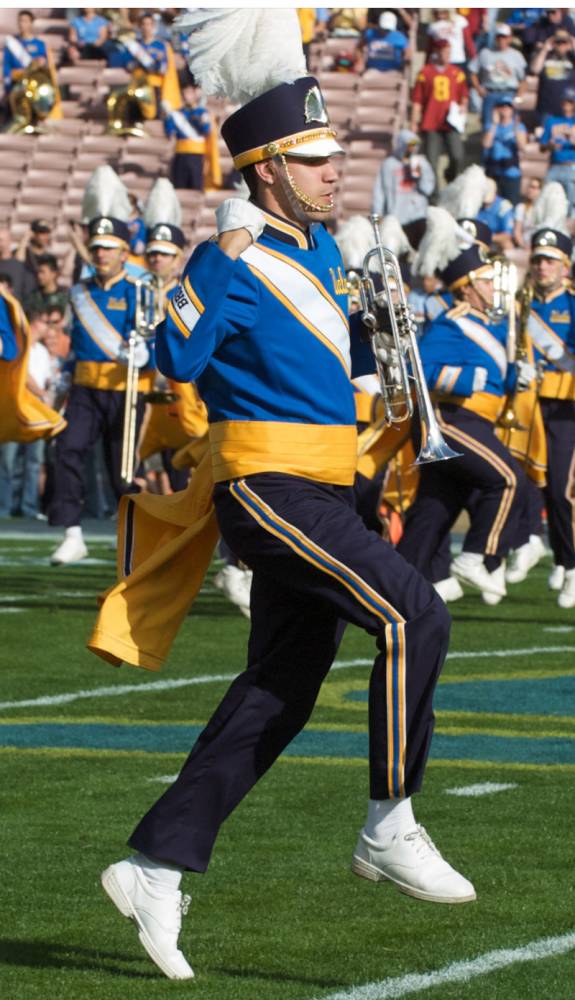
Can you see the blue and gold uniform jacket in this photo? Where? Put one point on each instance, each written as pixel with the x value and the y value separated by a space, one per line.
pixel 8 343
pixel 102 317
pixel 551 327
pixel 266 339
pixel 35 48
pixel 191 127
pixel 453 346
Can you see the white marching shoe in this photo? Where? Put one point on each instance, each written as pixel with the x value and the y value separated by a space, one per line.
pixel 469 569
pixel 498 582
pixel 412 862
pixel 556 578
pixel 525 558
pixel 566 597
pixel 449 589
pixel 236 584
pixel 71 550
pixel 158 917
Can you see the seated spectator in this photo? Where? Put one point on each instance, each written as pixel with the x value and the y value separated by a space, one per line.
pixel 523 227
pixel 559 137
pixel 22 280
pixel 48 294
pixel 554 64
pixel 405 18
pixel 497 213
pixel 34 243
pixel 347 22
pixel 404 182
pixel 191 126
pixel 502 144
pixel 384 48
pixel 548 24
pixel 450 26
pixel 22 50
pixel 440 88
pixel 498 73
pixel 87 36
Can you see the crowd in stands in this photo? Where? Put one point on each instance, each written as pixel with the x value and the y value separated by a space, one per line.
pixel 416 95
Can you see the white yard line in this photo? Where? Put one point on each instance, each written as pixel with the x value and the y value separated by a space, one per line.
pixel 485 788
pixel 559 628
pixel 182 682
pixel 458 972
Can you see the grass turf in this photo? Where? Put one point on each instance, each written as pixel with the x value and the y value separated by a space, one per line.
pixel 278 915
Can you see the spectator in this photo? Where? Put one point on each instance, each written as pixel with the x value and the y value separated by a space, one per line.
pixel 497 213
pixel 22 281
pixel 347 22
pixel 191 127
pixel 523 227
pixel 384 48
pixel 521 19
pixel 554 64
pixel 404 182
pixel 559 137
pixel 502 144
pixel 475 17
pixel 498 74
pixel 550 22
pixel 48 293
pixel 440 89
pixel 450 26
pixel 34 243
pixel 87 36
pixel 405 18
pixel 22 50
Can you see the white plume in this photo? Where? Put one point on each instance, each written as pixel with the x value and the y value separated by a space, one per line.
pixel 105 194
pixel 465 195
pixel 355 237
pixel 241 53
pixel 442 242
pixel 393 236
pixel 162 205
pixel 551 208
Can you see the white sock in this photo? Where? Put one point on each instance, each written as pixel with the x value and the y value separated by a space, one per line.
pixel 165 879
pixel 385 817
pixel 74 532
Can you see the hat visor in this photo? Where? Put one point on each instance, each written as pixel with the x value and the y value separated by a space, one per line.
pixel 553 252
pixel 317 148
pixel 111 242
pixel 160 246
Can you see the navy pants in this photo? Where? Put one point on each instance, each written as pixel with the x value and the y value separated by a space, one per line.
pixel 91 413
pixel 485 480
pixel 559 421
pixel 314 563
pixel 187 171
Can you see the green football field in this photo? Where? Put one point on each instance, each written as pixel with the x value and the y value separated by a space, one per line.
pixel 87 748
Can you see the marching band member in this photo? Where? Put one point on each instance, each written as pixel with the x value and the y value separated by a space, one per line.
pixel 260 322
pixel 22 51
pixel 464 358
pixel 195 139
pixel 103 314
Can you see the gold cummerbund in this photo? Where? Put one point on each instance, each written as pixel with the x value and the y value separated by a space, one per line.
pixel 363 407
pixel 326 453
pixel 558 385
pixel 484 404
pixel 190 145
pixel 109 375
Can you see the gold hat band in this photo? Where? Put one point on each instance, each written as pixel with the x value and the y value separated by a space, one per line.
pixel 284 145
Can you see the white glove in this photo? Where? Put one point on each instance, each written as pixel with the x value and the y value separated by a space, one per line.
pixel 237 213
pixel 479 379
pixel 141 352
pixel 526 372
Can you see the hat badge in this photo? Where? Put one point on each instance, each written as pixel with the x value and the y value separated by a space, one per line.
pixel 548 239
pixel 104 228
pixel 162 232
pixel 314 107
pixel 469 226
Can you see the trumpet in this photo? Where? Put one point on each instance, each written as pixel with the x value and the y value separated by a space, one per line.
pixel 147 316
pixel 389 308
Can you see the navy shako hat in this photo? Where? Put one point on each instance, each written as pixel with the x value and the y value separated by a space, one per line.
pixel 456 273
pixel 290 119
pixel 480 231
pixel 106 231
pixel 165 238
pixel 552 243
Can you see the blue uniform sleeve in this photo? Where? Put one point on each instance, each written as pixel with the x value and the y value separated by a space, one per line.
pixel 7 67
pixel 217 299
pixel 169 127
pixel 449 380
pixel 201 120
pixel 160 56
pixel 362 359
pixel 42 53
pixel 8 345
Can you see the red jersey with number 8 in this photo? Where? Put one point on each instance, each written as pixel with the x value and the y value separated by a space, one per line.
pixel 435 88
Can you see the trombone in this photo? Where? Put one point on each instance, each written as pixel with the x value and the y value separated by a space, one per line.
pixel 146 318
pixel 395 378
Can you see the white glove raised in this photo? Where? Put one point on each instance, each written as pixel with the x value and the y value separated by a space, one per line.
pixel 479 379
pixel 141 352
pixel 526 372
pixel 237 213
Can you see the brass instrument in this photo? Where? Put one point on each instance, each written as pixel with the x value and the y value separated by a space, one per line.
pixel 517 351
pixel 146 319
pixel 390 308
pixel 130 106
pixel 32 99
pixel 504 292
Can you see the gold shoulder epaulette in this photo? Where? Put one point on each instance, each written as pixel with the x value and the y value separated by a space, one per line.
pixel 461 309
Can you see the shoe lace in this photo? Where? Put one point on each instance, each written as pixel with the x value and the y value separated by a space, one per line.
pixel 422 842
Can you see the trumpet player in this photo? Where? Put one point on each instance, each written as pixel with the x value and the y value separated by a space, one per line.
pixel 552 331
pixel 464 357
pixel 103 314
